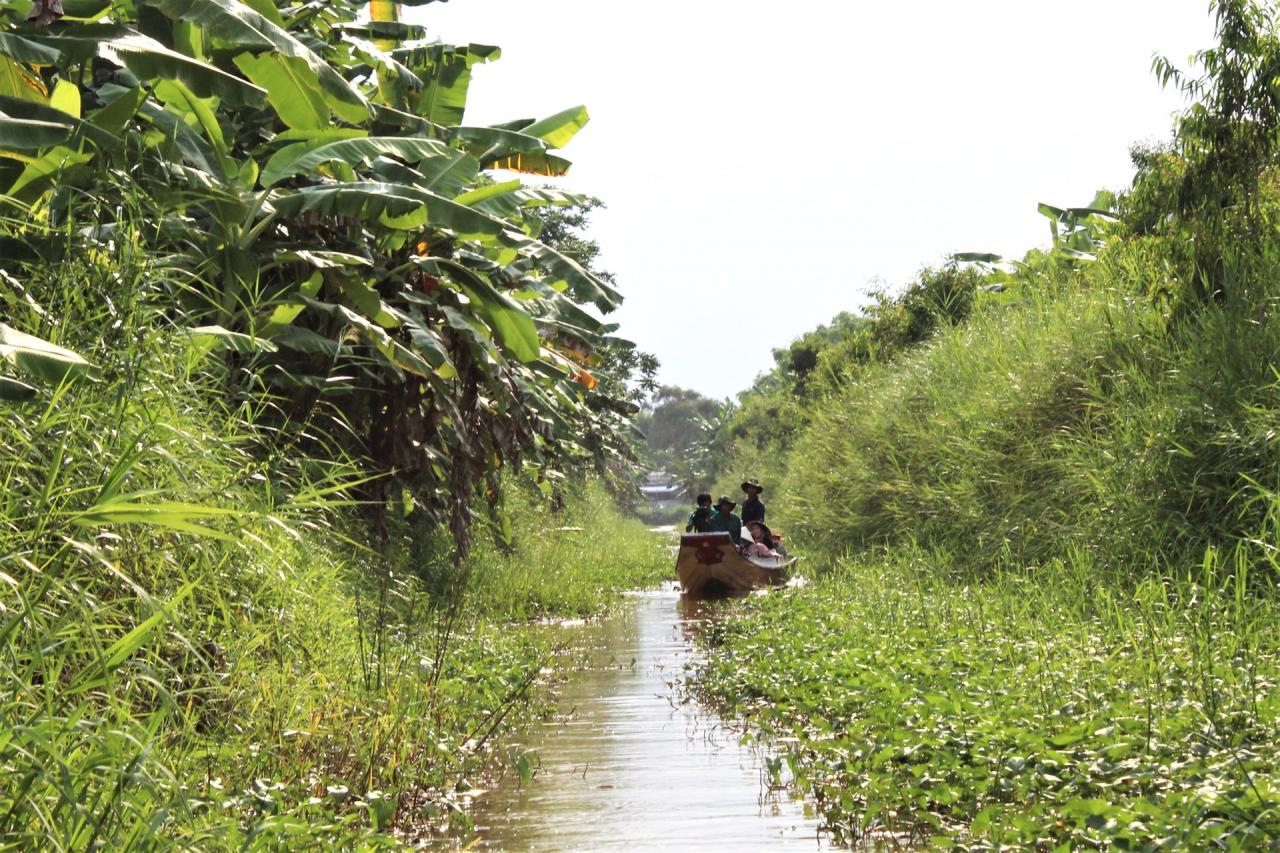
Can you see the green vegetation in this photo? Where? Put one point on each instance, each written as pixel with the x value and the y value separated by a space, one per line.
pixel 297 405
pixel 267 678
pixel 1037 709
pixel 1041 500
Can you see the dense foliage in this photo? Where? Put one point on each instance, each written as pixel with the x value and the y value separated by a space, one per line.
pixel 337 242
pixel 273 317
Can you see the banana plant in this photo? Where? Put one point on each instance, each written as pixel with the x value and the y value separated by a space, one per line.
pixel 315 175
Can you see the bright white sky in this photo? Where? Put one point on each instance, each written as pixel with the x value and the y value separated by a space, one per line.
pixel 766 164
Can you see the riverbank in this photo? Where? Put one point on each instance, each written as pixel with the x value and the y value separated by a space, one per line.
pixel 1036 708
pixel 207 649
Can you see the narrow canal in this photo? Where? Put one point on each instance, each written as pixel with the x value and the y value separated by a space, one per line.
pixel 631 761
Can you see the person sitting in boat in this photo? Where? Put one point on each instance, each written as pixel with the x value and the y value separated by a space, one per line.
pixel 764 542
pixel 761 541
pixel 700 518
pixel 752 507
pixel 723 519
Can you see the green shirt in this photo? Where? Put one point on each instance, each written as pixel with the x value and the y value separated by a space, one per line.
pixel 730 524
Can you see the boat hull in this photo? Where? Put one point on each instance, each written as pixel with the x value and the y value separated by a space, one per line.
pixel 710 564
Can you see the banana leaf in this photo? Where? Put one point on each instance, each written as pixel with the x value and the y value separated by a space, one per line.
pixel 233 25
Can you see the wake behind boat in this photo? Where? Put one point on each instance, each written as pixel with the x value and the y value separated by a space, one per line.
pixel 710 564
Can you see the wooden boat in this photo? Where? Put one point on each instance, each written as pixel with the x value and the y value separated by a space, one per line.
pixel 710 564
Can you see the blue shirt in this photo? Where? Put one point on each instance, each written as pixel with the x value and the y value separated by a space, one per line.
pixel 730 524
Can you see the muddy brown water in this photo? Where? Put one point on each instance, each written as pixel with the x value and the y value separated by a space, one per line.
pixel 631 761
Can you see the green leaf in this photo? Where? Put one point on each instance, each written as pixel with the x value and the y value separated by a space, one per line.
pixel 27 51
pixel 54 164
pixel 41 359
pixel 488 192
pixel 66 98
pixel 118 110
pixel 352 152
pixel 13 390
pixel 17 81
pixel 195 149
pixel 29 134
pixel 557 130
pixel 233 25
pixel 178 97
pixel 291 88
pixel 562 269
pixel 149 59
pixel 16 108
pixel 512 324
pixel 208 338
pixel 446 75
pixel 178 517
pixel 399 206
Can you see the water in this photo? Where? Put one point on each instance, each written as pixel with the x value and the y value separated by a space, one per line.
pixel 632 762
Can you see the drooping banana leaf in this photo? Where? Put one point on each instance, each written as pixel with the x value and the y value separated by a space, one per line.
pixel 292 161
pixel 400 206
pixel 27 51
pixel 561 269
pixel 149 59
pixel 14 391
pixel 290 86
pixel 559 129
pixel 531 163
pixel 31 134
pixel 194 148
pixel 18 109
pixel 512 324
pixel 41 359
pixel 233 25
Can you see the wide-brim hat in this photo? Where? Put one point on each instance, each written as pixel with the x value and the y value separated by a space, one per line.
pixel 762 525
pixel 724 499
pixel 753 483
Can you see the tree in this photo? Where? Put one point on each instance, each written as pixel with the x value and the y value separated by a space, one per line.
pixel 352 263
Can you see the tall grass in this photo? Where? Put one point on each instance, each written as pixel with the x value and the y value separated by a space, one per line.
pixel 1080 418
pixel 200 644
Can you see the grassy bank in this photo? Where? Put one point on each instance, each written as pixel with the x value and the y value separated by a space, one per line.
pixel 203 648
pixel 1044 610
pixel 1040 509
pixel 1037 709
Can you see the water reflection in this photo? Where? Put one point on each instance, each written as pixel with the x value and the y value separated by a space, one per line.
pixel 633 762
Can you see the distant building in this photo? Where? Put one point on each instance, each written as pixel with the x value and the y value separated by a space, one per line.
pixel 661 489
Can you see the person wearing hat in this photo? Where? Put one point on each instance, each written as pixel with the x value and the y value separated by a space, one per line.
pixel 764 542
pixel 752 507
pixel 724 521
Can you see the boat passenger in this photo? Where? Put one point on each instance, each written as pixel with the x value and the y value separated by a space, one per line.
pixel 723 519
pixel 762 544
pixel 700 518
pixel 752 507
